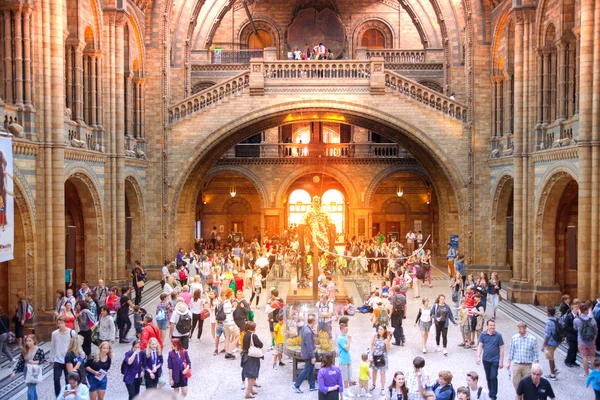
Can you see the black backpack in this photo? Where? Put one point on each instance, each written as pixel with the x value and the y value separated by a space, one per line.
pixel 184 325
pixel 398 306
pixel 219 313
pixel 559 333
pixel 588 333
pixel 420 272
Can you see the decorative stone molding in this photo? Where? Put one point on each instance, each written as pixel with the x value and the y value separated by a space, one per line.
pixel 26 189
pixel 386 204
pixel 220 67
pixel 498 191
pixel 264 23
pixel 557 154
pixel 237 200
pixel 84 155
pixel 564 166
pixel 500 162
pixel 24 147
pixel 136 162
pixel 407 162
pixel 372 22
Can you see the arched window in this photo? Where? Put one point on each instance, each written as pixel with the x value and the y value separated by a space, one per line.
pixel 260 41
pixel 333 202
pixel 298 202
pixel 373 39
pixel 330 135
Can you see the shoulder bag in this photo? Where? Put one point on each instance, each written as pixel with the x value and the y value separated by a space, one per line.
pixel 254 351
pixel 34 374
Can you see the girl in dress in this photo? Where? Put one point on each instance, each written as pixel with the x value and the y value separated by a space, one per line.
pixel 380 345
pixel 69 315
pixel 424 320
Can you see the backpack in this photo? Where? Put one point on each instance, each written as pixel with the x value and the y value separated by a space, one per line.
pixel 597 311
pixel 182 274
pixel 384 318
pixel 450 388
pixel 398 306
pixel 403 285
pixel 117 304
pixel 420 272
pixel 161 315
pixel 564 321
pixel 29 312
pixel 479 390
pixel 588 333
pixel 560 333
pixel 219 313
pixel 184 325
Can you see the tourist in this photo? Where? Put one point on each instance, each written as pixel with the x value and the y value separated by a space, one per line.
pixel 75 389
pixel 426 263
pixel 256 286
pixel 463 393
pixel 482 287
pixel 133 370
pixel 123 321
pixel 399 311
pixel 470 282
pixel 442 388
pixel 220 321
pixel 4 333
pixel 68 314
pixel 424 320
pixel 594 379
pixel 325 314
pixel 83 290
pixel 165 273
pixel 534 386
pixel 170 285
pixel 186 295
pixel 100 293
pixel 86 321
pixel 380 345
pixel 477 317
pixel 474 390
pixel 113 302
pixel 181 323
pixel 586 336
pixel 522 354
pixel 309 355
pixel 251 364
pixel 451 256
pixel 279 330
pixel 343 343
pixel 61 299
pixel 494 286
pixel 196 307
pixel 463 320
pixel 152 360
pixel 179 365
pixel 75 357
pixel 416 379
pixel 330 379
pixel 30 361
pixel 492 346
pixel 59 346
pixel 363 376
pixel 565 304
pixel 232 332
pixel 212 305
pixel 149 331
pixel 96 371
pixel 71 299
pixel 106 326
pixel 164 311
pixel 571 335
pixel 456 291
pixel 552 340
pixel 139 279
pixel 416 274
pixel 442 315
pixel 92 304
pixel 397 389
pixel 410 241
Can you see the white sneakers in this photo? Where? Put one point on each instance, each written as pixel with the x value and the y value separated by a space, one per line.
pixel 438 348
pixel 445 352
pixel 424 350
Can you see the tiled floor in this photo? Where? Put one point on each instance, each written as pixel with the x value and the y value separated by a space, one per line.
pixel 217 378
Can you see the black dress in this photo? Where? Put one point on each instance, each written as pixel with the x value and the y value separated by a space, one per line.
pixel 250 365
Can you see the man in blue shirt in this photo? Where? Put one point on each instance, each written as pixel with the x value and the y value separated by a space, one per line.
pixel 343 344
pixel 492 346
pixel 309 355
pixel 552 340
pixel 450 257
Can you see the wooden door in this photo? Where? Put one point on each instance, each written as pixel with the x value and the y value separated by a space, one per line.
pixel 260 41
pixel 373 39
pixel 392 228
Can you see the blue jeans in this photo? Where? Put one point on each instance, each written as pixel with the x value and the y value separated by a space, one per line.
pixel 491 373
pixel 31 387
pixel 308 371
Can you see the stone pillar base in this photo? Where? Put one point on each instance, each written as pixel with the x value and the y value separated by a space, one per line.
pixel 527 292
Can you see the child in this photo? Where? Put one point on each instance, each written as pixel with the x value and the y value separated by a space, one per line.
pixel 594 378
pixel 363 376
pixel 416 379
pixel 331 289
pixel 279 330
pixel 138 321
pixel 463 320
pixel 384 288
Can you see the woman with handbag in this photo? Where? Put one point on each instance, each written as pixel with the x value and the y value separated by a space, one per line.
pixel 331 382
pixel 250 358
pixel 180 367
pixel 86 322
pixel 30 363
pixel 96 371
pixel 5 334
pixel 199 313
pixel 139 281
pixel 380 345
pixel 153 362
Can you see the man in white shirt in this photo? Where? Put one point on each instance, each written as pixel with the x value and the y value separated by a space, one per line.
pixel 477 392
pixel 58 350
pixel 410 241
pixel 100 293
pixel 375 301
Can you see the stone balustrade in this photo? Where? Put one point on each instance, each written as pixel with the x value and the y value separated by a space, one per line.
pixel 398 56
pixel 315 69
pixel 304 150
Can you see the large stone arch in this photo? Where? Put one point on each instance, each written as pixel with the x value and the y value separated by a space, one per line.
pixel 87 188
pixel 380 24
pixel 137 207
pixel 450 184
pixel 500 202
pixel 333 172
pixel 545 220
pixel 237 200
pixel 386 204
pixel 29 232
pixel 386 173
pixel 251 176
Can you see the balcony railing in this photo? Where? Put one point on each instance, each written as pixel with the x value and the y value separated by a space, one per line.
pixel 235 56
pixel 317 70
pixel 398 56
pixel 309 150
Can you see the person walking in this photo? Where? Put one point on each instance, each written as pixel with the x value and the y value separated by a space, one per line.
pixel 149 331
pixel 139 280
pixel 451 256
pixel 250 364
pixel 152 361
pixel 96 369
pixel 534 386
pixel 181 323
pixel 442 315
pixel 571 335
pixel 86 321
pixel 331 386
pixel 196 307
pixel 491 345
pixel 106 326
pixel 164 311
pixel 4 333
pixel 123 321
pixel 30 364
pixel 380 345
pixel 494 286
pixel 522 354
pixel 552 339
pixel 59 346
pixel 179 365
pixel 399 310
pixel 586 337
pixel 133 370
pixel 308 353
pixel 424 320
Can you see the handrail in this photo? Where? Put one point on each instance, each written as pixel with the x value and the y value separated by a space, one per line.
pixel 317 69
pixel 409 88
pixel 207 97
pixel 398 56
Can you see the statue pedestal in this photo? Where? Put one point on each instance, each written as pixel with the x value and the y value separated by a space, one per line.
pixel 303 295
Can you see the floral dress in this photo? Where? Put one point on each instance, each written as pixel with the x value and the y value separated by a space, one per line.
pixel 379 349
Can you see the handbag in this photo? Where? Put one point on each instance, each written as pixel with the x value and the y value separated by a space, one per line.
pixel 254 351
pixel 379 361
pixel 204 314
pixel 499 297
pixel 140 283
pixel 187 371
pixel 479 325
pixel 34 374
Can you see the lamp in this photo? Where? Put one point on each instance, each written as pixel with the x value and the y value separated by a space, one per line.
pixel 232 190
pixel 399 191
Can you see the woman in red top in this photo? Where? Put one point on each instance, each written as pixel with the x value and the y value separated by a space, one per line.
pixel 110 300
pixel 67 312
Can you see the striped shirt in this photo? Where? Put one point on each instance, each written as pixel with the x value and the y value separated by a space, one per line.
pixel 523 349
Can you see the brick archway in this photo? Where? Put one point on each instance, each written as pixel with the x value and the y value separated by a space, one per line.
pixel 502 198
pixel 135 201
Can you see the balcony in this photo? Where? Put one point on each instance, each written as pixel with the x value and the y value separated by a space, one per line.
pixel 317 150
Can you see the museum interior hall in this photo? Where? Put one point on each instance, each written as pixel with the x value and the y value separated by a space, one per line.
pixel 133 128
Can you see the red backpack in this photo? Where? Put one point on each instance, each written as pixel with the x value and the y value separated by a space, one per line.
pixel 182 274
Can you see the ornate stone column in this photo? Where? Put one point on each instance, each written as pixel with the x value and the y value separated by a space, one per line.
pixel 93 105
pixel 8 77
pixel 27 58
pixel 120 22
pixel 18 44
pixel 519 267
pixel 595 227
pixel 540 89
pixel 78 75
pixel 561 112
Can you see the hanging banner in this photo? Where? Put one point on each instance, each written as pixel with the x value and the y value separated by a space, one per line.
pixel 7 226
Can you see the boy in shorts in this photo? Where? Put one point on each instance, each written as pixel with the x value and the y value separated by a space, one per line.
pixel 344 341
pixel 363 376
pixel 279 328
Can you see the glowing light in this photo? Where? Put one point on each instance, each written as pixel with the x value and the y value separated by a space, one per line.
pixel 399 191
pixel 232 191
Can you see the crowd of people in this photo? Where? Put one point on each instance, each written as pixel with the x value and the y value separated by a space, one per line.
pixel 318 52
pixel 210 283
